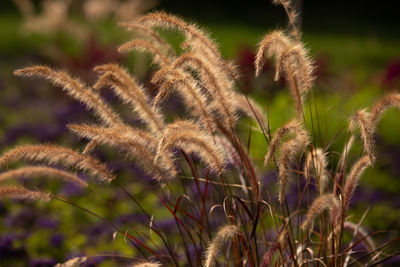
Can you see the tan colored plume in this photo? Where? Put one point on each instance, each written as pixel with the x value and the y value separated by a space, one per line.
pixel 215 247
pixel 137 143
pixel 145 46
pixel 42 171
pixel 292 60
pixel 57 155
pixel 316 164
pixel 188 136
pixel 324 202
pixel 362 120
pixel 149 34
pixel 196 41
pixel 129 90
pixel 273 44
pixel 188 88
pixel 353 177
pixel 74 262
pixel 217 84
pixel 388 101
pixel 146 264
pixel 293 17
pixel 291 127
pixel 288 152
pixel 367 121
pixel 74 88
pixel 21 193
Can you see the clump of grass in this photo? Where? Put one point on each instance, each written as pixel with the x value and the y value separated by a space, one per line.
pixel 258 227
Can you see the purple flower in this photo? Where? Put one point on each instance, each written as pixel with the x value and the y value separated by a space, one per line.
pixel 21 219
pixel 392 72
pixel 8 249
pixel 42 262
pixel 46 223
pixel 57 240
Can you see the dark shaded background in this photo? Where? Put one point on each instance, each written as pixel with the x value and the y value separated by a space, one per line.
pixel 379 18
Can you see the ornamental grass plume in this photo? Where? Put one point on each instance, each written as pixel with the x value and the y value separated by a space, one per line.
pixel 131 92
pixel 291 127
pixel 150 35
pixel 138 145
pixel 188 136
pixel 21 193
pixel 146 264
pixel 74 88
pixel 322 203
pixel 367 121
pixel 200 169
pixel 192 95
pixel 293 17
pixel 317 164
pixel 362 120
pixel 352 178
pixel 288 152
pixel 58 155
pixel 41 171
pixel 77 261
pixel 292 60
pixel 215 247
pixel 145 46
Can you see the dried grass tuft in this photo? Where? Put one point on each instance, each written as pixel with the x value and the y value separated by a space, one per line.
pixel 74 262
pixel 188 136
pixel 76 89
pixel 135 143
pixel 42 171
pixel 145 46
pixel 322 203
pixel 216 245
pixel 58 155
pixel 129 90
pixel 288 151
pixel 362 120
pixel 21 193
pixel 352 178
pixel 316 164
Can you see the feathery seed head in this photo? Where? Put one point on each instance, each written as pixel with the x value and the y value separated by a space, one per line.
pixel 322 203
pixel 74 88
pixel 149 34
pixel 316 164
pixel 137 143
pixel 21 193
pixel 289 128
pixel 38 171
pixel 58 155
pixel 146 264
pixel 273 44
pixel 145 46
pixel 215 248
pixel 288 151
pixel 74 262
pixel 129 90
pixel 188 136
pixel 388 101
pixel 362 120
pixel 352 178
